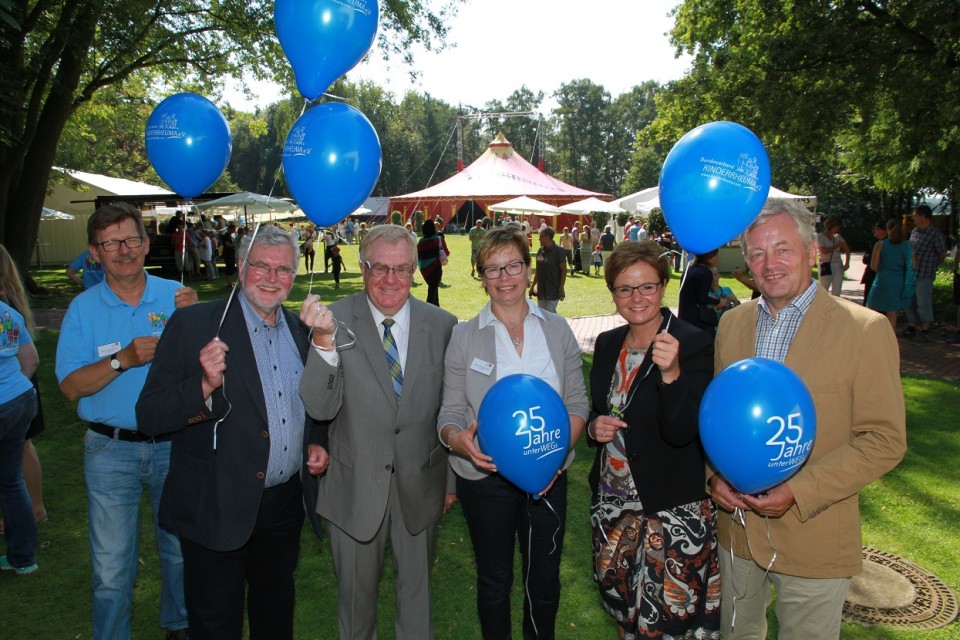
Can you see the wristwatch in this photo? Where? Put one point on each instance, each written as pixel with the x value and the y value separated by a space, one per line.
pixel 115 363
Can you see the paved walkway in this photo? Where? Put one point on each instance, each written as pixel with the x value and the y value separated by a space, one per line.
pixel 935 359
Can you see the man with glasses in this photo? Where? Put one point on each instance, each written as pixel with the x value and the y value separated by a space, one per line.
pixel 375 374
pixel 107 342
pixel 224 387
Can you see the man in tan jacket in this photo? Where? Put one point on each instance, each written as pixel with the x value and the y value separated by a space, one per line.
pixel 806 531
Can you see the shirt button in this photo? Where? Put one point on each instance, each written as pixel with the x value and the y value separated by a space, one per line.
pixel 396 431
pixel 266 434
pixel 261 475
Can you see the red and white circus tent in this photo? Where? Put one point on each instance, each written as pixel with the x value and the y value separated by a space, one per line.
pixel 497 175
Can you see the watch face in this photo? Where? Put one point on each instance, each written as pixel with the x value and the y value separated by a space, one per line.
pixel 115 363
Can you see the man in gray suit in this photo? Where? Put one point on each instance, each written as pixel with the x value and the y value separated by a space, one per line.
pixel 374 375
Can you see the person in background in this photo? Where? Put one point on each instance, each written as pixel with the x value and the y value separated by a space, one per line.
pixel 834 255
pixel 802 537
pixel 430 260
pixel 597 260
pixel 551 274
pixel 892 262
pixel 92 273
pixel 475 235
pixel 351 229
pixel 607 242
pixel 697 305
pixel 510 335
pixel 594 234
pixel 13 294
pixel 229 242
pixel 929 249
pixel 373 378
pixel 223 389
pixel 107 341
pixel 206 254
pixel 193 248
pixel 879 233
pixel 336 263
pixel 362 232
pixel 566 243
pixel 654 541
pixel 329 242
pixel 309 252
pixel 746 281
pixel 728 299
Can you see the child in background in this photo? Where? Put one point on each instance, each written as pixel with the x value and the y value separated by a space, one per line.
pixel 597 260
pixel 337 261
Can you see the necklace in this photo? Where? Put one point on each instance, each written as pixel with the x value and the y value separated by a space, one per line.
pixel 516 341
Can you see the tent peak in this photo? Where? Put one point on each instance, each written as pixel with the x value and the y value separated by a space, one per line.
pixel 501 147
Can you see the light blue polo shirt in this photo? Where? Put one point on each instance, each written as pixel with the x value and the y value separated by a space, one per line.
pixel 13 334
pixel 92 270
pixel 97 325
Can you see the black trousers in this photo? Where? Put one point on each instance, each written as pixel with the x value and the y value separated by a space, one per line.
pixel 499 514
pixel 214 582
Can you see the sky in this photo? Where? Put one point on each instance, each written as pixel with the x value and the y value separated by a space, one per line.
pixel 497 46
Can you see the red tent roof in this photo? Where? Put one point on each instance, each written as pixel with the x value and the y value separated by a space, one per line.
pixel 497 175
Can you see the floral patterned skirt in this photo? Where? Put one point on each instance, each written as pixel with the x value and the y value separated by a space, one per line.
pixel 658 574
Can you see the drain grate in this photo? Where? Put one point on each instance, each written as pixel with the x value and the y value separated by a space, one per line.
pixel 896 593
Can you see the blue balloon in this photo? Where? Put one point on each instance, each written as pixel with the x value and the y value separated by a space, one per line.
pixel 323 39
pixel 331 161
pixel 757 424
pixel 188 143
pixel 713 184
pixel 525 427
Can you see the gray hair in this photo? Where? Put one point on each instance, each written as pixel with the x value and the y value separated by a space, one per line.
pixel 389 234
pixel 271 236
pixel 801 216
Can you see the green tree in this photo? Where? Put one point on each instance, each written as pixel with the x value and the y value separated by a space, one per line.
pixel 582 131
pixel 58 55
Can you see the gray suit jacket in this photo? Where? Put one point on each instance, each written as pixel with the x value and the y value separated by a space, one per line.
pixel 370 436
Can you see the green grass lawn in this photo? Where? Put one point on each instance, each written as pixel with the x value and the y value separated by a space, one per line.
pixel 460 294
pixel 914 511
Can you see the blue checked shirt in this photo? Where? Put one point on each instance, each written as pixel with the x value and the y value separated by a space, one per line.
pixel 280 368
pixel 775 334
pixel 927 245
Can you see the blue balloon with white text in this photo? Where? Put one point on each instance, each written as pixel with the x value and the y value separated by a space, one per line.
pixel 525 427
pixel 758 424
pixel 323 39
pixel 188 142
pixel 713 184
pixel 331 161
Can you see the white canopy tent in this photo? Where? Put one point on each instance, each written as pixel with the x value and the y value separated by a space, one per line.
pixel 649 199
pixel 252 206
pixel 525 205
pixel 591 205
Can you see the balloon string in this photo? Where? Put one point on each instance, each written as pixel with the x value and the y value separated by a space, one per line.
pixel 739 517
pixel 526 583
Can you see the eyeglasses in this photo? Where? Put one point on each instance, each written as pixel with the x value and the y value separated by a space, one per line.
pixel 110 246
pixel 646 289
pixel 263 270
pixel 403 272
pixel 512 268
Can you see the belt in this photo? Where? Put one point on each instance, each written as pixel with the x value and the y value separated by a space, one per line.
pixel 127 435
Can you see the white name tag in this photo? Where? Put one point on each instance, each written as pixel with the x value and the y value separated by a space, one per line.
pixel 105 350
pixel 478 365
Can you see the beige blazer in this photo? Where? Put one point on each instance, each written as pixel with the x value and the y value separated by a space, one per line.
pixel 849 359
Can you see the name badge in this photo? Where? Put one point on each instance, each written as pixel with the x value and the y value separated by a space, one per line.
pixel 478 365
pixel 109 349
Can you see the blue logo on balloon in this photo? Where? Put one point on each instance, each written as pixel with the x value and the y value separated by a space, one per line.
pixel 713 184
pixel 525 427
pixel 188 143
pixel 323 39
pixel 331 161
pixel 758 424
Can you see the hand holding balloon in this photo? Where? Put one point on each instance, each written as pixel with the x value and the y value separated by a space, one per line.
pixel 774 502
pixel 665 353
pixel 463 443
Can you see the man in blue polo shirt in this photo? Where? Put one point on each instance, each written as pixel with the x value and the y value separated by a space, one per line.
pixel 107 341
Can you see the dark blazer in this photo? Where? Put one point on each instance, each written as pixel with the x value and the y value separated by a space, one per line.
pixel 662 441
pixel 211 497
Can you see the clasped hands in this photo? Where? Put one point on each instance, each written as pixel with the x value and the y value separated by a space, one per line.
pixel 772 503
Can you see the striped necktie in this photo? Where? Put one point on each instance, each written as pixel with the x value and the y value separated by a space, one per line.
pixel 393 357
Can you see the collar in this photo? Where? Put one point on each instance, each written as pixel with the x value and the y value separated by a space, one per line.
pixel 801 302
pixel 253 319
pixel 486 316
pixel 402 317
pixel 110 298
